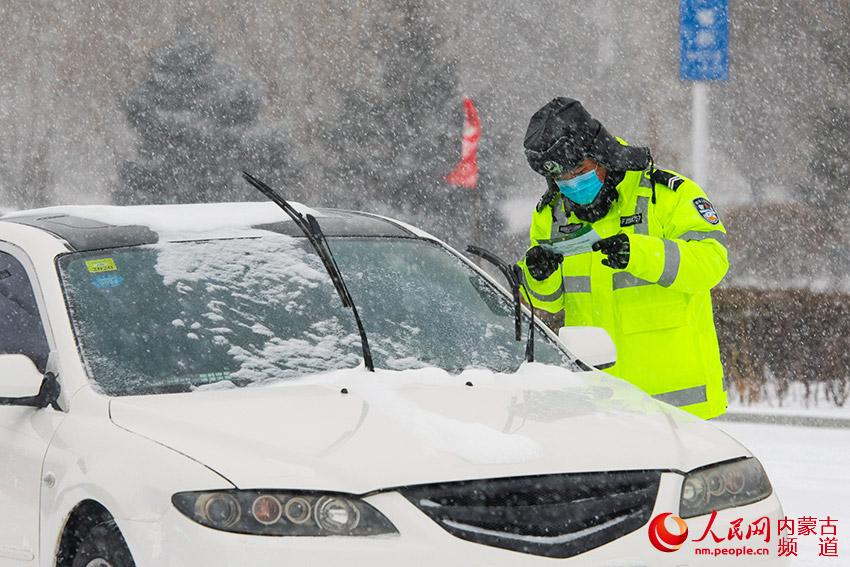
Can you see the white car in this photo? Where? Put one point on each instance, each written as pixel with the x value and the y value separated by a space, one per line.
pixel 181 385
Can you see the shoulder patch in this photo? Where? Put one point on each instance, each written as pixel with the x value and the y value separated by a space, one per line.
pixel 667 178
pixel 706 210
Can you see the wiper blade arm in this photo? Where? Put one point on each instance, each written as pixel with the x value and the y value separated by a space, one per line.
pixel 311 229
pixel 529 346
pixel 514 276
pixel 512 282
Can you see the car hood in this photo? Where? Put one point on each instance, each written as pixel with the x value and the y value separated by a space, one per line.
pixel 357 431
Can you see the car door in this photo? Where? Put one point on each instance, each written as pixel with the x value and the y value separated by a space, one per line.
pixel 24 431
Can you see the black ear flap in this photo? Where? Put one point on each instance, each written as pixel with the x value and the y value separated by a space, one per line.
pixel 607 151
pixel 551 191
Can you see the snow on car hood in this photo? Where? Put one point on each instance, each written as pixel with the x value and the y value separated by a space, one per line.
pixel 396 428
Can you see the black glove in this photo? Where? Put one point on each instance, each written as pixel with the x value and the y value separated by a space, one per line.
pixel 616 248
pixel 542 263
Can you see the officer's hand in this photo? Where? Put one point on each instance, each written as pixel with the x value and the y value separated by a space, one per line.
pixel 542 263
pixel 616 248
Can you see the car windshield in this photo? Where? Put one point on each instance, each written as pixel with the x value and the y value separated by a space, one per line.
pixel 176 316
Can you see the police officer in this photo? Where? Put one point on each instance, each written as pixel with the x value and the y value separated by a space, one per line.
pixel 648 280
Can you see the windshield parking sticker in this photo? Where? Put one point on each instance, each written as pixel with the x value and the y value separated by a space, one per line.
pixel 101 265
pixel 107 281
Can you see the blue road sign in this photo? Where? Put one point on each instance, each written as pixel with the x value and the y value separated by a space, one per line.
pixel 704 34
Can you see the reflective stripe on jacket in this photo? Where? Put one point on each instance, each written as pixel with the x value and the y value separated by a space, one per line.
pixel 658 310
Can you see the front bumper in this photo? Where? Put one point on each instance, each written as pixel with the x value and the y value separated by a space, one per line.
pixel 177 541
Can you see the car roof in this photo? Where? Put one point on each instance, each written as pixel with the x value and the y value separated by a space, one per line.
pixel 93 227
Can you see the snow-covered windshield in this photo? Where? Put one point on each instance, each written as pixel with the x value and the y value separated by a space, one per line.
pixel 176 316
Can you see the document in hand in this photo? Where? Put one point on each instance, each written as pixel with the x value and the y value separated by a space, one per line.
pixel 576 242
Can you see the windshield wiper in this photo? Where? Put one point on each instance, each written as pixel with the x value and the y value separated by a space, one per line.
pixel 311 229
pixel 529 346
pixel 514 277
pixel 512 282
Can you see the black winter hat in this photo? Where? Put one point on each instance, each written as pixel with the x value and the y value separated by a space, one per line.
pixel 562 134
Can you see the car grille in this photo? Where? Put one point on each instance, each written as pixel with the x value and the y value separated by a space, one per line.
pixel 553 515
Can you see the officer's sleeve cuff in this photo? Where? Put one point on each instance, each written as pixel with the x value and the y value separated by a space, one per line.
pixel 647 257
pixel 545 294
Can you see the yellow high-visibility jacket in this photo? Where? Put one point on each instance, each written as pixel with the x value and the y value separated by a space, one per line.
pixel 658 310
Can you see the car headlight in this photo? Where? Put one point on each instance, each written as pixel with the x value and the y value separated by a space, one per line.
pixel 278 513
pixel 723 486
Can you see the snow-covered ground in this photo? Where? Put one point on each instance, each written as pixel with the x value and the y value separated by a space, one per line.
pixel 809 468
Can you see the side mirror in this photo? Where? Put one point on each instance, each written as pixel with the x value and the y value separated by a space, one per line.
pixel 21 383
pixel 593 345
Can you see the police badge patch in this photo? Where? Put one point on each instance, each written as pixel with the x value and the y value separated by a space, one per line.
pixel 706 209
pixel 553 167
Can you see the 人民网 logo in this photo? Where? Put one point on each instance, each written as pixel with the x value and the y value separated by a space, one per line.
pixel 662 538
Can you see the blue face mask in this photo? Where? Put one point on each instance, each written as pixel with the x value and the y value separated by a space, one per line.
pixel 581 189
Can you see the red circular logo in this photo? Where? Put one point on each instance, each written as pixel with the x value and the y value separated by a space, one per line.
pixel 662 538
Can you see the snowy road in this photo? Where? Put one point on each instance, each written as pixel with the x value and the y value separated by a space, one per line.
pixel 810 471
